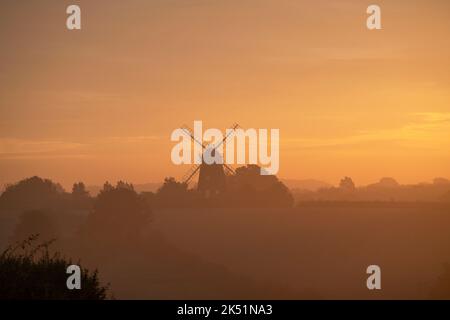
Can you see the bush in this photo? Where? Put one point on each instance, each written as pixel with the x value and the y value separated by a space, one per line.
pixel 29 271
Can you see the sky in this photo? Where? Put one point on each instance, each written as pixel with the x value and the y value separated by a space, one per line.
pixel 100 103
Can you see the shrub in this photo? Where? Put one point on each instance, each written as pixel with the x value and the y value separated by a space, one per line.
pixel 29 271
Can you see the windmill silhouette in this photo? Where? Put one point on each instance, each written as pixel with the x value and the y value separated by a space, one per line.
pixel 212 177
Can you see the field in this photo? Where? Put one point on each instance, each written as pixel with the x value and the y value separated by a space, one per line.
pixel 313 251
pixel 321 251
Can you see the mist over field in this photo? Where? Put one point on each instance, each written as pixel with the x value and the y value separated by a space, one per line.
pixel 199 149
pixel 146 247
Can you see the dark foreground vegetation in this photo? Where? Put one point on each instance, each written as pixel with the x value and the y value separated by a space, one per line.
pixel 30 271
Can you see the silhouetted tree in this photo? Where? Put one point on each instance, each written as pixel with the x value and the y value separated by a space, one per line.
pixel 118 213
pixel 80 197
pixel 34 222
pixel 248 188
pixel 107 186
pixel 175 194
pixel 278 195
pixel 441 182
pixel 124 185
pixel 32 193
pixel 79 190
pixel 31 272
pixel 387 182
pixel 347 184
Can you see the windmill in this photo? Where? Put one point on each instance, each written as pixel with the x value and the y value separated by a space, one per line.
pixel 211 180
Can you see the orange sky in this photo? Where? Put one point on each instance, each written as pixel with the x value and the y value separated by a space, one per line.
pixel 100 104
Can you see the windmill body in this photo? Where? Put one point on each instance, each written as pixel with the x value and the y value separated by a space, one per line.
pixel 212 177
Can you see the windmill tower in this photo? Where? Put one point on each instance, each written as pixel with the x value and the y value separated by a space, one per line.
pixel 212 177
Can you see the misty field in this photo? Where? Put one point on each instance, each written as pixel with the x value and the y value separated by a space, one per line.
pixel 321 252
pixel 313 251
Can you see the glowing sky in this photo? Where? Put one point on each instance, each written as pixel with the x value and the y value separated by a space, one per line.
pixel 100 104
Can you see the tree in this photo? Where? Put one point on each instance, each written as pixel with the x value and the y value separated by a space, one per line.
pixel 34 222
pixel 29 271
pixel 124 185
pixel 388 182
pixel 248 188
pixel 107 186
pixel 80 197
pixel 79 190
pixel 441 182
pixel 347 184
pixel 32 193
pixel 175 194
pixel 118 213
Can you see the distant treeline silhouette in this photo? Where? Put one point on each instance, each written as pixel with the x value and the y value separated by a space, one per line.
pixel 114 233
pixel 114 224
pixel 386 190
pixel 247 188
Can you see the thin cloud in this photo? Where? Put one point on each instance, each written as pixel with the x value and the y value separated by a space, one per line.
pixel 429 130
pixel 13 148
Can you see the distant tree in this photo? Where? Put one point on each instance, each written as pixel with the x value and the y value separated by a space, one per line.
pixel 124 185
pixel 79 190
pixel 246 188
pixel 347 184
pixel 32 193
pixel 29 271
pixel 249 188
pixel 175 194
pixel 119 212
pixel 251 175
pixel 80 197
pixel 441 182
pixel 34 222
pixel 107 187
pixel 388 182
pixel 278 195
pixel 171 186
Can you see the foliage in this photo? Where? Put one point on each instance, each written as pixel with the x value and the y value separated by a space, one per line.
pixel 176 194
pixel 29 271
pixel 34 222
pixel 32 193
pixel 247 188
pixel 119 213
pixel 347 184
